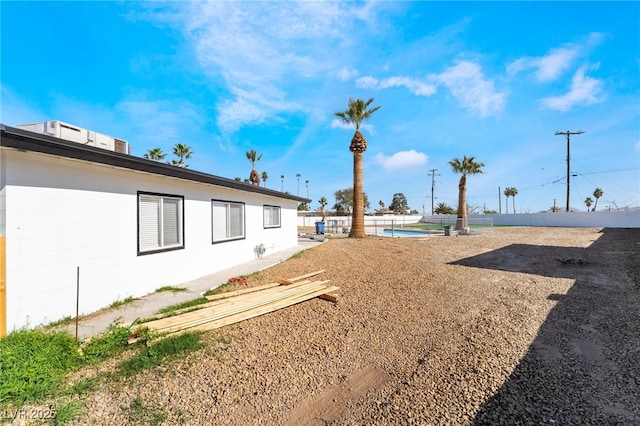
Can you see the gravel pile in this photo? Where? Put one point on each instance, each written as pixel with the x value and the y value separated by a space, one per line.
pixel 507 326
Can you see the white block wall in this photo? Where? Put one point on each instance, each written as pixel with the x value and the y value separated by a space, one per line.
pixel 62 214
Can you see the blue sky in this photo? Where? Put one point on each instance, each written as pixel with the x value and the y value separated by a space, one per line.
pixel 490 80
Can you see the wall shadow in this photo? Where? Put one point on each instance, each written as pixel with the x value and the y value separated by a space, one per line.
pixel 583 367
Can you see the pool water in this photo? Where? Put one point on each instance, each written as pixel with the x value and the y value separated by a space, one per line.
pixel 387 232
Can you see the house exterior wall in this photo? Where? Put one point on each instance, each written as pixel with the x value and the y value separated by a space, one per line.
pixel 62 216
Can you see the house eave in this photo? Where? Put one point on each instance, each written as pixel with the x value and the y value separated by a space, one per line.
pixel 11 137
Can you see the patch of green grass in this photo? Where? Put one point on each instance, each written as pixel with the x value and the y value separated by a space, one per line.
pixel 183 305
pixel 106 345
pixel 170 288
pixel 86 385
pixel 34 364
pixel 139 413
pixel 66 413
pixel 165 349
pixel 118 303
pixel 62 321
pixel 298 255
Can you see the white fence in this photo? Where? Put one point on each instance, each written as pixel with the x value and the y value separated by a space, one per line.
pixel 604 219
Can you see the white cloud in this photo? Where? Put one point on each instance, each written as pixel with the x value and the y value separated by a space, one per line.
pixel 548 67
pixel 259 47
pixel 336 123
pixel 467 84
pixel 346 74
pixel 557 61
pixel 367 82
pixel 416 87
pixel 584 90
pixel 401 160
pixel 638 146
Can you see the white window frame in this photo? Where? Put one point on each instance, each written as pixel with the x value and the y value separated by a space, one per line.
pixel 155 222
pixel 272 216
pixel 224 227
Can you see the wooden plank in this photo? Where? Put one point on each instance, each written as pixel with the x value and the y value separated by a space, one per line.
pixel 232 319
pixel 331 297
pixel 294 279
pixel 159 322
pixel 237 292
pixel 232 306
pixel 239 310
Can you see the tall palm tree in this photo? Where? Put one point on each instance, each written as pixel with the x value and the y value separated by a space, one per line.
pixel 507 194
pixel 298 177
pixel 265 176
pixel 357 112
pixel 155 154
pixel 306 183
pixel 511 191
pixel 254 176
pixel 597 193
pixel 182 151
pixel 588 202
pixel 466 166
pixel 281 183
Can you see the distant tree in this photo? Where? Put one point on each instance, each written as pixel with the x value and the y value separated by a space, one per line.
pixel 381 204
pixel 588 202
pixel 298 177
pixel 399 203
pixel 357 112
pixel 466 166
pixel 597 193
pixel 155 154
pixel 490 212
pixel 254 157
pixel 281 182
pixel 344 201
pixel 303 207
pixel 414 211
pixel 238 178
pixel 306 183
pixel 183 152
pixel 265 176
pixel 443 208
pixel 511 191
pixel 323 203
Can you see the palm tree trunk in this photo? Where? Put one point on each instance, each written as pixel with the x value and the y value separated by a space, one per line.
pixel 357 217
pixel 513 197
pixel 461 222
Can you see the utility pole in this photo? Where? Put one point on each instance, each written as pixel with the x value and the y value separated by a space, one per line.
pixel 568 134
pixel 433 184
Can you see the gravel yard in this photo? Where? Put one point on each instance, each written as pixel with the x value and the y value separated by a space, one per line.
pixel 507 326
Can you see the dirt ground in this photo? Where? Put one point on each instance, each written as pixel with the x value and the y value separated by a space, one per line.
pixel 514 326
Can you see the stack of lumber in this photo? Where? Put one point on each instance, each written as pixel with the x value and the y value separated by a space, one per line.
pixel 235 306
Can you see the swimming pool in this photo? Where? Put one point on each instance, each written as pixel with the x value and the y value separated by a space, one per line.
pixel 388 232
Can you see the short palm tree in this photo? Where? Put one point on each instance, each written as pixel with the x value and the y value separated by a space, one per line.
pixel 281 183
pixel 155 154
pixel 323 203
pixel 265 176
pixel 466 166
pixel 597 193
pixel 254 176
pixel 588 202
pixel 357 112
pixel 182 151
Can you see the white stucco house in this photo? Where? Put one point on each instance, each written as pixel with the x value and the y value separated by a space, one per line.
pixel 128 225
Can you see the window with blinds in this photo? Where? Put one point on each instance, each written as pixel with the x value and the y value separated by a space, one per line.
pixel 271 216
pixel 160 222
pixel 227 220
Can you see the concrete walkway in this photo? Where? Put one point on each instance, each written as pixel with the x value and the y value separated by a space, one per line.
pixel 98 322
